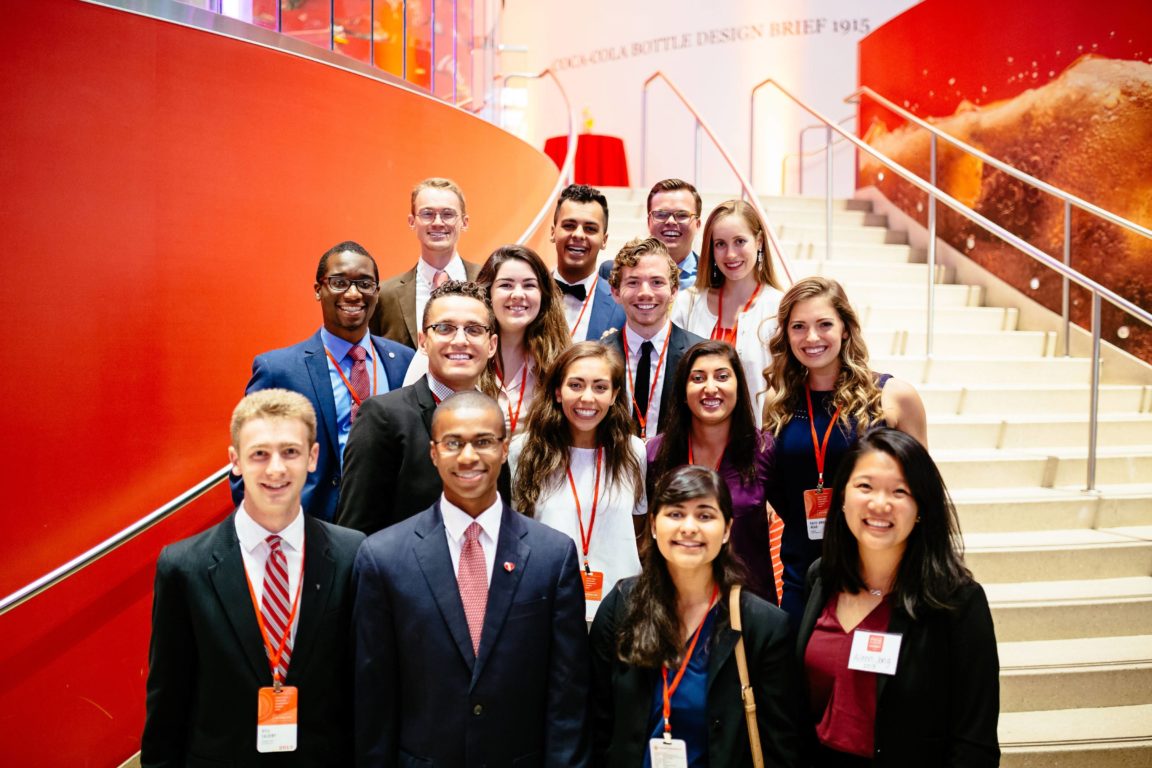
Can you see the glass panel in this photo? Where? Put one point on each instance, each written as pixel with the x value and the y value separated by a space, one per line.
pixel 388 36
pixel 467 32
pixel 265 13
pixel 353 33
pixel 307 20
pixel 419 49
pixel 444 49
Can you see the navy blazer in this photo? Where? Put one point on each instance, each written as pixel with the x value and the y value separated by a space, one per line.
pixel 303 368
pixel 207 658
pixel 422 698
pixel 942 706
pixel 678 344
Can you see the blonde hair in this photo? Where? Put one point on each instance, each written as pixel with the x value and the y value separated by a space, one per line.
pixel 856 393
pixel 436 182
pixel 765 273
pixel 273 404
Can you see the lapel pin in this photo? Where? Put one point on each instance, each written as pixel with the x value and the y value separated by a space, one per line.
pixel 509 567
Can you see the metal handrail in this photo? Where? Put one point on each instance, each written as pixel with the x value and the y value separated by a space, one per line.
pixel 569 158
pixel 1099 292
pixel 82 561
pixel 701 125
pixel 1068 198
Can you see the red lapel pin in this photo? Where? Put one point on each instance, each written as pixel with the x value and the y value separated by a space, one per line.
pixel 509 566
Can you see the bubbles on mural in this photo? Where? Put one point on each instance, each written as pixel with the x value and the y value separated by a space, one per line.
pixel 970 243
pixel 1123 332
pixel 1034 283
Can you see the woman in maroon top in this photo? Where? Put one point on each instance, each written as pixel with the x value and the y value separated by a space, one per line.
pixel 897 644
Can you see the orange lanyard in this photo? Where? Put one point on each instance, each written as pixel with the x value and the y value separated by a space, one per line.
pixel 276 650
pixel 643 417
pixel 821 449
pixel 584 306
pixel 514 417
pixel 586 540
pixel 718 461
pixel 351 389
pixel 669 690
pixel 720 333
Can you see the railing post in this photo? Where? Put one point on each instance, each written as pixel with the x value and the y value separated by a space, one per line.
pixel 799 163
pixel 432 50
pixel 332 25
pixel 1066 287
pixel 928 340
pixel 644 136
pixel 455 48
pixel 403 40
pixel 827 193
pixel 1094 408
pixel 696 156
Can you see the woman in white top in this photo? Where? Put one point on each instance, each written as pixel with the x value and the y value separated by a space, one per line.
pixel 579 469
pixel 736 294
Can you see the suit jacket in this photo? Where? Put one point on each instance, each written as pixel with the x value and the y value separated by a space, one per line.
pixel 395 315
pixel 604 314
pixel 678 344
pixel 303 368
pixel 423 699
pixel 622 694
pixel 942 705
pixel 207 657
pixel 388 470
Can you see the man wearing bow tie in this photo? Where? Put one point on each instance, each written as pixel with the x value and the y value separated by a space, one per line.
pixel 579 229
pixel 468 621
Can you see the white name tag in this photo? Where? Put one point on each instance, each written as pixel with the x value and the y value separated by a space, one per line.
pixel 668 754
pixel 276 719
pixel 590 608
pixel 874 652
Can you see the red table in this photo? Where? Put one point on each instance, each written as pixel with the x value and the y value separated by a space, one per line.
pixel 600 160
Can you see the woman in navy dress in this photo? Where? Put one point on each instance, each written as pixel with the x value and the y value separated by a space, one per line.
pixel 822 396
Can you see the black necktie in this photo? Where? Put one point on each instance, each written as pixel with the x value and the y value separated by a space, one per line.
pixel 579 291
pixel 643 380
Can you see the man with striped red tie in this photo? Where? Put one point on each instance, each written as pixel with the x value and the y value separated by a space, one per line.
pixel 250 619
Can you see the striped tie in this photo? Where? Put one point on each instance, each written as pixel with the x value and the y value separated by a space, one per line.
pixel 775 539
pixel 275 606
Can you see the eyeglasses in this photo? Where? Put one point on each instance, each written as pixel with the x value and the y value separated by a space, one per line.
pixel 428 215
pixel 449 330
pixel 680 217
pixel 341 284
pixel 480 444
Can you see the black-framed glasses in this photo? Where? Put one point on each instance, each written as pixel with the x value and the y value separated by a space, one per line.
pixel 680 217
pixel 449 330
pixel 338 284
pixel 480 444
pixel 428 215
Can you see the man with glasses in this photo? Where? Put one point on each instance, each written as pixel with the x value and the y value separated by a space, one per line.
pixel 438 217
pixel 337 368
pixel 468 620
pixel 388 475
pixel 674 210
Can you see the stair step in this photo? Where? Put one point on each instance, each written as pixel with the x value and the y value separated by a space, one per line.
pixel 1081 672
pixel 970 319
pixel 864 292
pixel 1046 432
pixel 956 369
pixel 1057 610
pixel 1015 509
pixel 851 272
pixel 811 233
pixel 886 253
pixel 1046 469
pixel 1103 737
pixel 958 342
pixel 1075 553
pixel 1012 400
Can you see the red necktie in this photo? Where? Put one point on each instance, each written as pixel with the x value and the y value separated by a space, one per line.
pixel 439 278
pixel 275 606
pixel 473 580
pixel 359 377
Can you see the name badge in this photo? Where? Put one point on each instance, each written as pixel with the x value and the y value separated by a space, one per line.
pixel 874 652
pixel 816 506
pixel 672 753
pixel 276 718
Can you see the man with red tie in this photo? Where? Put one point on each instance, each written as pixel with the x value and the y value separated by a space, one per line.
pixel 470 642
pixel 250 619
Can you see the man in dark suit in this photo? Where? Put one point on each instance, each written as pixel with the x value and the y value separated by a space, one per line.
pixel 337 368
pixel 470 642
pixel 674 209
pixel 579 229
pixel 438 216
pixel 218 663
pixel 644 282
pixel 387 473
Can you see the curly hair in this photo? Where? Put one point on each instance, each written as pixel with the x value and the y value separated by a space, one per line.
pixel 635 249
pixel 856 393
pixel 546 456
pixel 465 288
pixel 708 275
pixel 547 335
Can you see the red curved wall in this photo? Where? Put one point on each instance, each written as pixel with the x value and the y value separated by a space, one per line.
pixel 166 195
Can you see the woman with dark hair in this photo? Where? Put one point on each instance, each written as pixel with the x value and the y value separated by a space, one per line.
pixel 896 641
pixel 822 396
pixel 579 469
pixel 664 655
pixel 711 425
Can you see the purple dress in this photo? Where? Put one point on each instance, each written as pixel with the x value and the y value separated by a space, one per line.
pixel 749 537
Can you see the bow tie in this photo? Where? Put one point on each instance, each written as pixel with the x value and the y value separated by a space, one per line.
pixel 579 291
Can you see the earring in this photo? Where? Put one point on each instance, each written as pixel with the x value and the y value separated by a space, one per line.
pixel 917 518
pixel 653 534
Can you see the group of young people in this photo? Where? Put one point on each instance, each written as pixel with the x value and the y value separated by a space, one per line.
pixel 711 474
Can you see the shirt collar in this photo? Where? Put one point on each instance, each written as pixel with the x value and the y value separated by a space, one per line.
pixel 252 534
pixel 339 347
pixel 635 339
pixel 586 282
pixel 455 268
pixel 441 390
pixel 690 264
pixel 456 520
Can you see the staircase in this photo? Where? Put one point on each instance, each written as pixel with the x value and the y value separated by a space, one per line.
pixel 1068 574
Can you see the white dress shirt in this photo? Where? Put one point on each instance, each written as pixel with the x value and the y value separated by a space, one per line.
pixel 255 550
pixel 656 382
pixel 577 323
pixel 456 521
pixel 425 273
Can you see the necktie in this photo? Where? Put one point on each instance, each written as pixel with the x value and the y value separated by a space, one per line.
pixel 775 541
pixel 473 581
pixel 359 377
pixel 275 606
pixel 579 291
pixel 439 278
pixel 643 379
